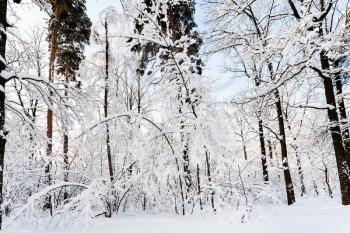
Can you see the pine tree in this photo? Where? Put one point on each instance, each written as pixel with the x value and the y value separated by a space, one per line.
pixel 73 35
pixel 68 32
pixel 174 20
pixel 181 25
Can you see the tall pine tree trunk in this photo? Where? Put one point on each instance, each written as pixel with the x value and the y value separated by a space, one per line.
pixel 49 130
pixel 184 137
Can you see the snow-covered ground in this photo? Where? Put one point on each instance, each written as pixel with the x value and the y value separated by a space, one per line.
pixel 306 216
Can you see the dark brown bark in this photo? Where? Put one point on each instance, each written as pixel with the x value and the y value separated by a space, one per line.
pixel 49 130
pixel 3 132
pixel 263 152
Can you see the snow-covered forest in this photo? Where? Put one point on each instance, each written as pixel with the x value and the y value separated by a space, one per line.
pixel 123 115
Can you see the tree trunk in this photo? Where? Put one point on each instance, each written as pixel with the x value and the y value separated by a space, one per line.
pixel 284 153
pixel 263 152
pixel 186 164
pixel 3 132
pixel 340 148
pixel 53 50
pixel 341 154
pixel 65 140
pixel 212 193
pixel 199 188
pixel 109 152
pixel 300 171
pixel 283 143
pixel 344 126
pixel 175 33
pixel 244 146
pixel 326 176
pixel 270 149
pixel 339 87
pixel 297 156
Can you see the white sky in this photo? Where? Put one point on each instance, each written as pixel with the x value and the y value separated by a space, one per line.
pixel 94 7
